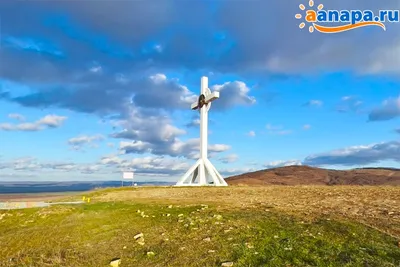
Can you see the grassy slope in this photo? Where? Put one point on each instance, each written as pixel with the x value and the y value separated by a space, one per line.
pixel 92 234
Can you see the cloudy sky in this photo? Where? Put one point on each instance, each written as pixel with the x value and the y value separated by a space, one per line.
pixel 91 88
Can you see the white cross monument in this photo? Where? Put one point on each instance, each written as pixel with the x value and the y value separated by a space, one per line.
pixel 203 173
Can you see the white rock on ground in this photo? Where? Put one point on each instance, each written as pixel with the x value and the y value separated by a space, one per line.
pixel 227 264
pixel 115 262
pixel 136 237
pixel 140 241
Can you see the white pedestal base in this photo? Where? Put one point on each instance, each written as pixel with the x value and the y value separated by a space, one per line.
pixel 202 173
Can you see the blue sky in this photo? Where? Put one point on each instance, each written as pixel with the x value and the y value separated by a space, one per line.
pixel 91 90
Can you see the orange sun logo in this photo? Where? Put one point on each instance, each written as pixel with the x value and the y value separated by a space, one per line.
pixel 313 12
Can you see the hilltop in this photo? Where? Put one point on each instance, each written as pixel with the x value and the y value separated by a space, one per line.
pixel 306 175
pixel 228 226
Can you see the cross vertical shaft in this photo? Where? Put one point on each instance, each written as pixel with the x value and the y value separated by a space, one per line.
pixel 203 170
pixel 204 122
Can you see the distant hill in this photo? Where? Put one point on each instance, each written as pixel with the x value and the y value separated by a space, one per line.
pixel 305 175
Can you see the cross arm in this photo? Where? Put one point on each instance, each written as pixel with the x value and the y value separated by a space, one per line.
pixel 212 97
pixel 209 98
pixel 194 105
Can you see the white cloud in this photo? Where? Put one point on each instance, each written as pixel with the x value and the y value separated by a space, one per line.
pixel 306 126
pixel 357 155
pixel 273 127
pixel 277 130
pixel 235 171
pixel 251 133
pixel 390 109
pixel 96 69
pixel 229 158
pixel 315 103
pixel 282 163
pixel 176 148
pixel 110 144
pixel 195 122
pixel 31 164
pixel 78 142
pixel 16 116
pixel 147 166
pixel 155 134
pixel 158 78
pixel 350 104
pixel 233 94
pixel 48 121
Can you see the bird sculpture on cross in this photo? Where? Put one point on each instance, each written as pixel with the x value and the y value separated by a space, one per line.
pixel 203 173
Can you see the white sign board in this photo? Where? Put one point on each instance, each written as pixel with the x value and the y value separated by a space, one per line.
pixel 127 175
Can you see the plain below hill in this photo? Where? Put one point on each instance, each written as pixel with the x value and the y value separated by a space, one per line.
pixel 305 175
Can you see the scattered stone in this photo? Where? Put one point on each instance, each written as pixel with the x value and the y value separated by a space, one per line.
pixel 289 248
pixel 140 241
pixel 153 216
pixel 256 253
pixel 211 251
pixel 186 225
pixel 115 262
pixel 275 236
pixel 168 214
pixel 182 248
pixel 267 210
pixel 124 247
pixel 180 215
pixel 170 206
pixel 227 264
pixel 138 211
pixel 230 238
pixel 218 217
pixel 195 228
pixel 207 239
pixel 136 237
pixel 166 239
pixel 249 245
pixel 227 231
pixel 151 253
pixel 180 221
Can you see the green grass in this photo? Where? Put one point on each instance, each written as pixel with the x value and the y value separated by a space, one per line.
pixel 93 234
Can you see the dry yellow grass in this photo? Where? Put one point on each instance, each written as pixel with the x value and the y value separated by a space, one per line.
pixel 250 226
pixel 375 206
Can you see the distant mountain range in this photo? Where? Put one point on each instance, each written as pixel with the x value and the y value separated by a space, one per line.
pixel 305 175
pixel 48 187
